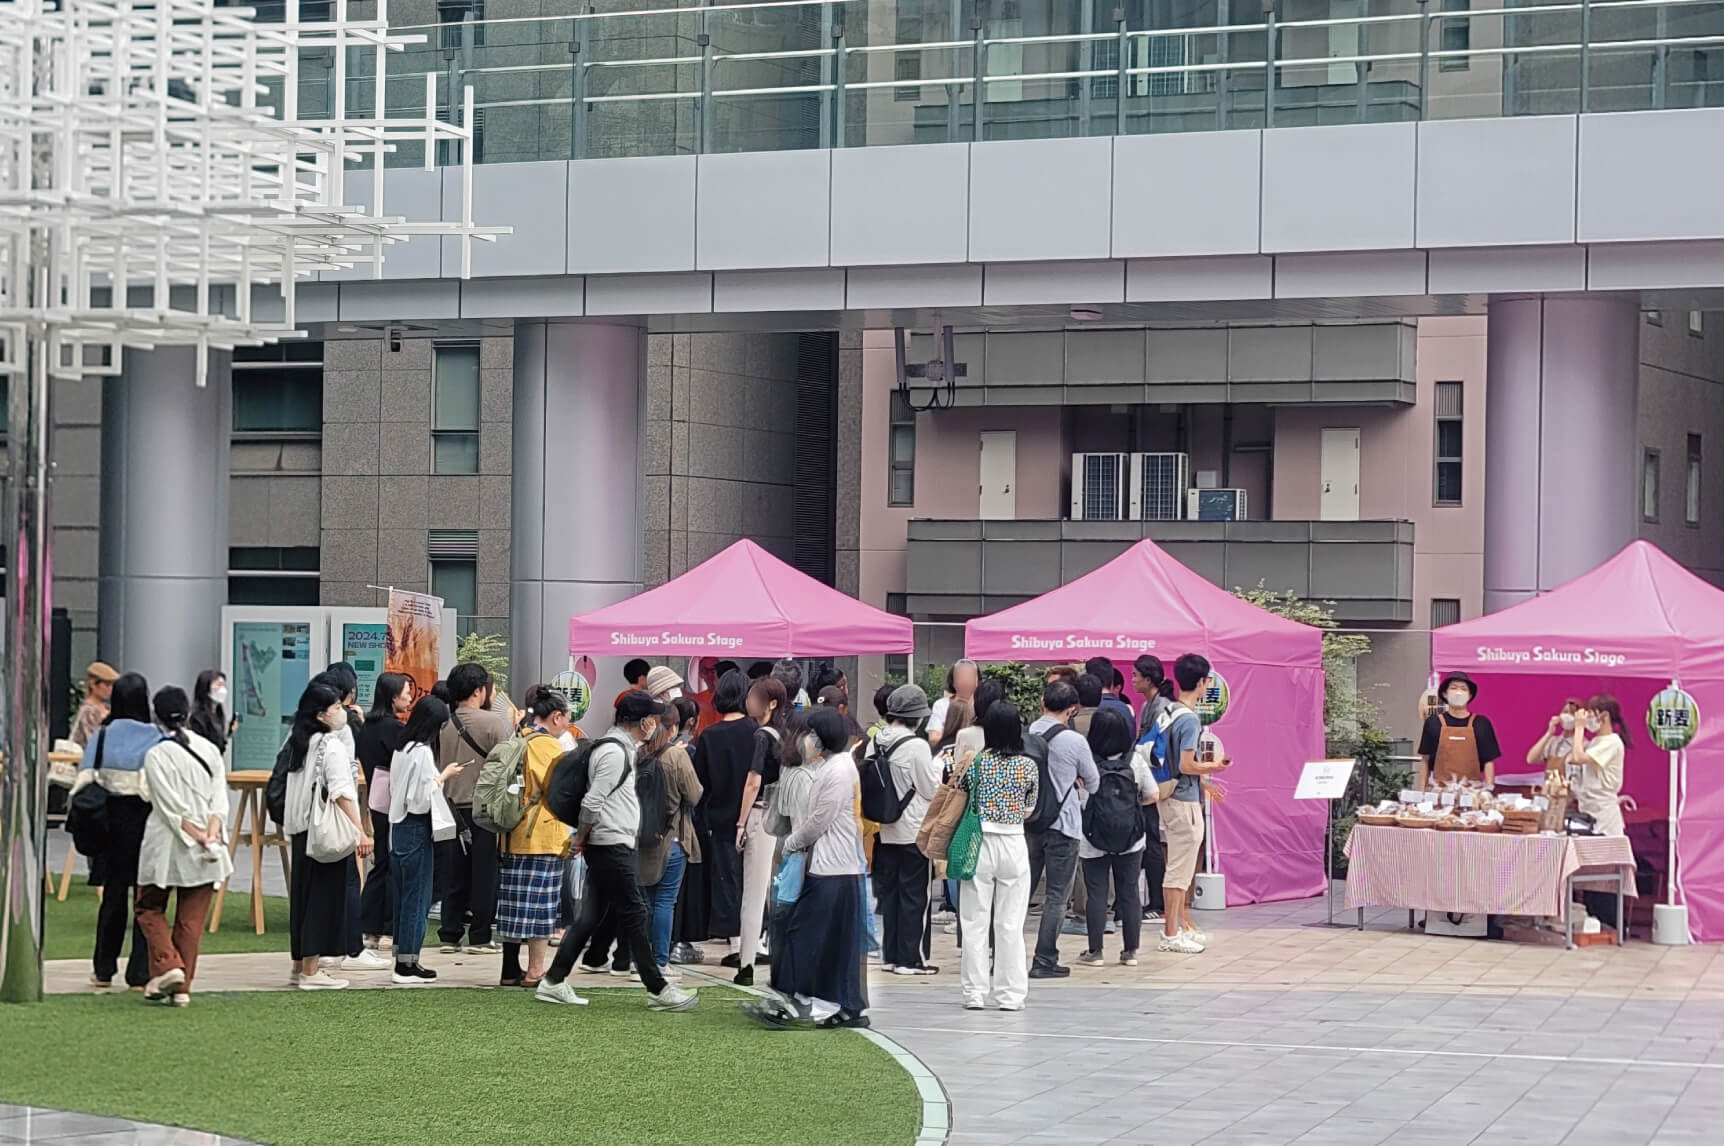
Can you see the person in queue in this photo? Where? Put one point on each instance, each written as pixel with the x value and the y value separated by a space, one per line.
pixel 209 717
pixel 376 743
pixel 901 871
pixel 1112 686
pixel 470 899
pixel 1054 848
pixel 634 677
pixel 662 865
pixel 723 760
pixel 99 681
pixel 768 704
pixel 992 903
pixel 1113 803
pixel 606 835
pixel 114 760
pixel 344 680
pixel 414 785
pixel 1150 679
pixel 1600 793
pixel 531 880
pixel 962 680
pixel 319 767
pixel 817 969
pixel 1457 743
pixel 183 852
pixel 1182 813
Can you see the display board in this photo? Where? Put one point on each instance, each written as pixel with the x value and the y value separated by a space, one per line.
pixel 268 655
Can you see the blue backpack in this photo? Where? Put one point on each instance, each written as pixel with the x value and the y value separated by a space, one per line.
pixel 1166 771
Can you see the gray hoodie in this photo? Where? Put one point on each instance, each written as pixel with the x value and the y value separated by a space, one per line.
pixel 610 809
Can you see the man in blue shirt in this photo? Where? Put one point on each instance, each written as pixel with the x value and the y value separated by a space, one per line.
pixel 1112 685
pixel 1055 848
pixel 1182 814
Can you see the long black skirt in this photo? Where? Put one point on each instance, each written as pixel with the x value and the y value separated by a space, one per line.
pixel 317 905
pixel 820 941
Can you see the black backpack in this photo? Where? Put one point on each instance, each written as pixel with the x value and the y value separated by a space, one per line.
pixel 1048 804
pixel 275 792
pixel 572 776
pixel 1113 815
pixel 87 813
pixel 880 800
pixel 649 789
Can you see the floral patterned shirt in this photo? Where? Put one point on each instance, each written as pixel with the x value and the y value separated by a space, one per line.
pixel 1002 788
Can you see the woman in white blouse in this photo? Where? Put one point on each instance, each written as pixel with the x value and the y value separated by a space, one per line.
pixel 415 789
pixel 182 851
pixel 319 762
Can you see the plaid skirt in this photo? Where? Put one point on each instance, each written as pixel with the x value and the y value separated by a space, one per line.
pixel 529 895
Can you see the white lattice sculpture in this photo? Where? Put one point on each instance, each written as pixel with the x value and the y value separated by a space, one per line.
pixel 147 184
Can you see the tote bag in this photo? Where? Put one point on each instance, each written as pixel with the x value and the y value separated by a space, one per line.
pixel 442 816
pixel 331 836
pixel 966 846
pixel 787 884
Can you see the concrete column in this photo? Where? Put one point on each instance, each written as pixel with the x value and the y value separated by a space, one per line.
pixel 1561 440
pixel 577 537
pixel 164 515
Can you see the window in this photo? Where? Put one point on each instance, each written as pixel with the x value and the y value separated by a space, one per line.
pixel 455 409
pixel 454 555
pixel 1445 611
pixel 1655 318
pixel 272 575
pixel 5 400
pixel 1449 438
pixel 1696 324
pixel 1691 486
pixel 1649 486
pixel 278 389
pixel 902 457
pixel 1457 36
pixel 907 66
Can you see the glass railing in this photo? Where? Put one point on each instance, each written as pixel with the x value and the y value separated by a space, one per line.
pixel 789 74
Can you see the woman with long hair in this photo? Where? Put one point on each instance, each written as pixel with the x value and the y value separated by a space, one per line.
pixel 817 966
pixel 1002 786
pixel 768 703
pixel 962 680
pixel 375 744
pixel 415 786
pixel 183 853
pixel 661 865
pixel 320 767
pixel 531 883
pixel 209 718
pixel 114 761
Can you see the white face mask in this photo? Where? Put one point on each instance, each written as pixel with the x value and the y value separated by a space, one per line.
pixel 218 695
pixel 335 719
pixel 671 694
pixel 1568 721
pixel 1593 724
pixel 1458 697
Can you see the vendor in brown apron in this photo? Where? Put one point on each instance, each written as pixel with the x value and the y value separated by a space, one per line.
pixel 1457 744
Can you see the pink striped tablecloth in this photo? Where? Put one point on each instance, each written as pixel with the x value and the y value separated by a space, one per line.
pixel 1474 873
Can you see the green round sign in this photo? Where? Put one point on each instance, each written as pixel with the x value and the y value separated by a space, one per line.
pixel 1212 705
pixel 577 689
pixel 1672 718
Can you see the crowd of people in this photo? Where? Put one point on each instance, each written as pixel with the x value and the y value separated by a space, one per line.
pixel 753 810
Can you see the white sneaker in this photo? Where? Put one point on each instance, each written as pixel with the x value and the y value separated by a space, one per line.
pixel 180 1000
pixel 367 960
pixel 1201 936
pixel 322 981
pixel 549 992
pixel 1181 944
pixel 163 985
pixel 673 998
pixel 974 1005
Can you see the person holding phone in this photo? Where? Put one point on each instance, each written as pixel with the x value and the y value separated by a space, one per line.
pixel 1182 813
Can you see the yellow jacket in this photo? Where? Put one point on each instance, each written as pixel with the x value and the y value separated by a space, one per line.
pixel 539 833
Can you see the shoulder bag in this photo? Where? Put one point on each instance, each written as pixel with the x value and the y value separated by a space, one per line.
pixel 331 835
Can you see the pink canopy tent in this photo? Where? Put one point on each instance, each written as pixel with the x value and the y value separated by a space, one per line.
pixel 1628 628
pixel 1144 601
pixel 741 602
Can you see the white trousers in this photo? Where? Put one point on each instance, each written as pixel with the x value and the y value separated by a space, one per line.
pixel 758 845
pixel 999 896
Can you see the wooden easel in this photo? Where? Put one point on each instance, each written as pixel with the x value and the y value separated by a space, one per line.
pixel 250 786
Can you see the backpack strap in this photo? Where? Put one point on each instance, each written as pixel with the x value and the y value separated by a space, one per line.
pixel 101 744
pixel 461 729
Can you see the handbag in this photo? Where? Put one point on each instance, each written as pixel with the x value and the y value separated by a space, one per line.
pixel 787 884
pixel 442 816
pixel 330 836
pixel 945 811
pixel 966 846
pixel 87 810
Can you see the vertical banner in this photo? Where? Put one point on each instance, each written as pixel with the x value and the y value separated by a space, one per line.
pixel 363 645
pixel 415 629
pixel 271 666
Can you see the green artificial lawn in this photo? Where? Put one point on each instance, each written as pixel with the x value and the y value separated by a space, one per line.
pixel 369 1068
pixel 70 927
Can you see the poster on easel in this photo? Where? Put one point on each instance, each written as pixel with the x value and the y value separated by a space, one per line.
pixel 364 645
pixel 268 655
pixel 415 622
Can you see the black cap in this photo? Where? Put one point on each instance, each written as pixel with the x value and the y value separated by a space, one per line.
pixel 636 706
pixel 1458 678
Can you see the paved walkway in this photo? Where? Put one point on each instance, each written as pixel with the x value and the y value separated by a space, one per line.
pixel 23 1124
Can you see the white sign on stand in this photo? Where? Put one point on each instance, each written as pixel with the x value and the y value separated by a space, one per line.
pixel 1324 780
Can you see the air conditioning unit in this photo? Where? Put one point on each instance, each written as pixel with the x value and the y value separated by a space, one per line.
pixel 1215 505
pixel 1158 485
pixel 1100 486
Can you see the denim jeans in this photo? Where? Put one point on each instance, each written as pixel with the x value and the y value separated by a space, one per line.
pixel 662 898
pixel 411 861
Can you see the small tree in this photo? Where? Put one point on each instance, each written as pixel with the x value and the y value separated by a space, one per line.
pixel 1023 685
pixel 490 650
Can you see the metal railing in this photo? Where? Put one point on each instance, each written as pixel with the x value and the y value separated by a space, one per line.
pixel 788 74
